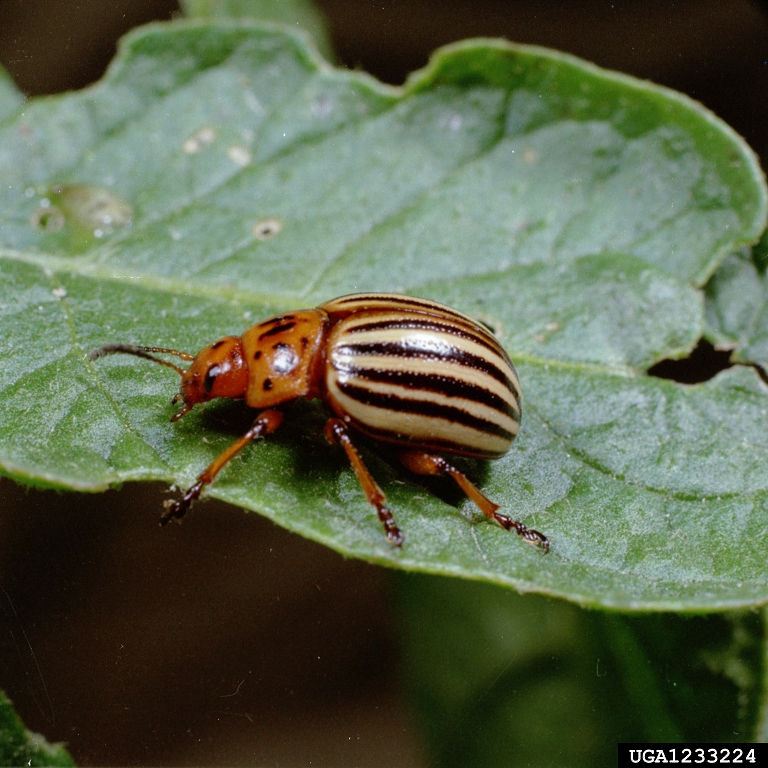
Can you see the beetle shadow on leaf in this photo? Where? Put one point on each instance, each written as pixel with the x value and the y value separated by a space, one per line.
pixel 231 417
pixel 301 432
pixel 314 457
pixel 443 488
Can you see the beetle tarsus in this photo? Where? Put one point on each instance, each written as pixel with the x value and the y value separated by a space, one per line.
pixel 175 510
pixel 539 540
pixel 266 422
pixel 423 463
pixel 529 535
pixel 394 535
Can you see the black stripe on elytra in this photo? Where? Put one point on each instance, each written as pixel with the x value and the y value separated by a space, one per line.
pixel 427 444
pixel 426 408
pixel 277 329
pixel 454 355
pixel 442 385
pixel 397 302
pixel 423 323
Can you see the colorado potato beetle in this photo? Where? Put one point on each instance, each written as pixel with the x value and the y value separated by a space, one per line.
pixel 418 375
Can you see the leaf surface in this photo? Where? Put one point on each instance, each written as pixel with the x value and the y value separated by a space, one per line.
pixel 296 13
pixel 737 307
pixel 221 173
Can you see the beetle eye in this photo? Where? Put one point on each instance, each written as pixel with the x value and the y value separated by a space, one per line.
pixel 210 377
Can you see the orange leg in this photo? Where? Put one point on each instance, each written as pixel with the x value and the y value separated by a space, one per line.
pixel 426 464
pixel 266 423
pixel 336 432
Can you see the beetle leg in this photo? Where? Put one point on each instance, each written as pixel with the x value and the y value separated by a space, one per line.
pixel 336 432
pixel 427 464
pixel 265 423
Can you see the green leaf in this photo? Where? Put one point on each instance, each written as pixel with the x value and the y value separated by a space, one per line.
pixel 20 747
pixel 11 98
pixel 760 252
pixel 633 317
pixel 737 308
pixel 221 172
pixel 499 679
pixel 296 13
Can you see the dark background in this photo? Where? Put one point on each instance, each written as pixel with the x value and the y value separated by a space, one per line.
pixel 229 640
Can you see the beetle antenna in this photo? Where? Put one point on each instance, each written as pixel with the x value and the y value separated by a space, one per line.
pixel 145 352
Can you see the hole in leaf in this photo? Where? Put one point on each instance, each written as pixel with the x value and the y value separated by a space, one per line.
pixel 267 229
pixel 702 364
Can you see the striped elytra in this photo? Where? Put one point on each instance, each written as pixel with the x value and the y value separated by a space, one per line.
pixel 437 381
pixel 422 377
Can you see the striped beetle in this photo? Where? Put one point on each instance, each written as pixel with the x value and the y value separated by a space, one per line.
pixel 409 372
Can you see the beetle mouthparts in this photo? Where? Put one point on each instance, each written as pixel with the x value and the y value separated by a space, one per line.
pixel 185 409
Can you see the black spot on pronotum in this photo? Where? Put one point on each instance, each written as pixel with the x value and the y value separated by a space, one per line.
pixel 277 329
pixel 702 364
pixel 267 385
pixel 304 342
pixel 257 354
pixel 217 344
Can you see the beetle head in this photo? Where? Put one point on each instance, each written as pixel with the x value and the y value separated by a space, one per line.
pixel 218 370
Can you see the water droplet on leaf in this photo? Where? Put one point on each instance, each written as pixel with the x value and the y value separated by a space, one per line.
pixel 199 140
pixel 239 156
